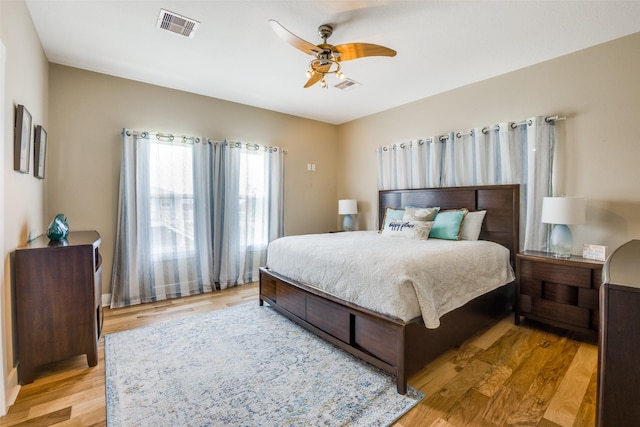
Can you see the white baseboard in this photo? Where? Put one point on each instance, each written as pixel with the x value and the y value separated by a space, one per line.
pixel 106 300
pixel 12 388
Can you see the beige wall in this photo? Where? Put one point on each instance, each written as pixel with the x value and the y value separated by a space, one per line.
pixel 597 89
pixel 26 82
pixel 84 112
pixel 88 111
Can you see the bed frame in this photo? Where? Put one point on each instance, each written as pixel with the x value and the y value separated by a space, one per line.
pixel 398 347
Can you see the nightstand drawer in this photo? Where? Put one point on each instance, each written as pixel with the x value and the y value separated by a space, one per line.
pixel 560 293
pixel 531 287
pixel 569 314
pixel 563 274
pixel 588 298
pixel 596 278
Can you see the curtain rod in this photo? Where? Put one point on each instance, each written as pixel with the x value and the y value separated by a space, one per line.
pixel 168 137
pixel 248 146
pixel 513 125
pixel 165 137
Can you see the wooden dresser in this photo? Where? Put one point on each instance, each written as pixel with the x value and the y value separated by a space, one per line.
pixel 559 292
pixel 619 341
pixel 58 300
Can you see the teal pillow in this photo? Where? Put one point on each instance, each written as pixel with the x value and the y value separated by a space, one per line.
pixel 447 224
pixel 391 214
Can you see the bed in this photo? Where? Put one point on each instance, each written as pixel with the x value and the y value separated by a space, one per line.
pixel 402 344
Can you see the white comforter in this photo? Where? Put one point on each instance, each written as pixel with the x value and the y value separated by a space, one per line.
pixel 396 276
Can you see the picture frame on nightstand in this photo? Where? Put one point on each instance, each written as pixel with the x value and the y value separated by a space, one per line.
pixel 595 252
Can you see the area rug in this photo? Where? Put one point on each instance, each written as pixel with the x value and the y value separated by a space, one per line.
pixel 248 366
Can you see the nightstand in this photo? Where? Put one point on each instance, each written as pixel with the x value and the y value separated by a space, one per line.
pixel 558 292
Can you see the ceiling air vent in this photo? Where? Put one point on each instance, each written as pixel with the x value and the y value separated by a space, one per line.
pixel 177 23
pixel 347 84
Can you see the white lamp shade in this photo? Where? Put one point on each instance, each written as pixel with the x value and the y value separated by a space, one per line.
pixel 347 207
pixel 563 210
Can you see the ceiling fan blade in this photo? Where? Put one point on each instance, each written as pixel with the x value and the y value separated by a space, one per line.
pixel 294 40
pixel 358 50
pixel 316 77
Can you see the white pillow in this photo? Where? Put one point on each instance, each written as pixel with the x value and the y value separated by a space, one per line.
pixel 391 214
pixel 420 214
pixel 408 229
pixel 472 225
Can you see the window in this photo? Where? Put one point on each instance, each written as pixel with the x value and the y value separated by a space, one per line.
pixel 193 216
pixel 171 193
pixel 253 193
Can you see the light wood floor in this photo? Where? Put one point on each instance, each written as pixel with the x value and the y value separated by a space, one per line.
pixel 507 375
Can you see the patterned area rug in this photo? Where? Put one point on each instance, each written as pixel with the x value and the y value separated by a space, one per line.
pixel 245 365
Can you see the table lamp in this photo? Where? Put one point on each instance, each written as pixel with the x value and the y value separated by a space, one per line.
pixel 562 211
pixel 348 208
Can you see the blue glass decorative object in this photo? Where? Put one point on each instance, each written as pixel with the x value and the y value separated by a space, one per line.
pixel 59 228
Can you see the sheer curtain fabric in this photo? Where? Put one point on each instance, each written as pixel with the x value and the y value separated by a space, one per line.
pixel 247 208
pixel 416 164
pixel 502 154
pixel 193 216
pixel 154 257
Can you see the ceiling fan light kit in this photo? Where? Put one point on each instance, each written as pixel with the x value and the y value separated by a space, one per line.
pixel 328 57
pixel 323 67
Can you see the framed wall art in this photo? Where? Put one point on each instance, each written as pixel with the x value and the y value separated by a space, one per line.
pixel 39 152
pixel 22 140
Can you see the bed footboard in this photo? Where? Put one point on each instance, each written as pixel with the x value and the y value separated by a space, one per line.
pixel 400 348
pixel 374 339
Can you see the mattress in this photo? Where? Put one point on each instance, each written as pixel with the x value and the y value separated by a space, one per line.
pixel 395 276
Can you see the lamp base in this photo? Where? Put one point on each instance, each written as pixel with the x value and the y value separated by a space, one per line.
pixel 561 241
pixel 348 223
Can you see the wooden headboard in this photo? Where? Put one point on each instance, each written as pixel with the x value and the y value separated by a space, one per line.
pixel 502 203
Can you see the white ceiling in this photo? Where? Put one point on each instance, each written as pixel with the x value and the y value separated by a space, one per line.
pixel 236 56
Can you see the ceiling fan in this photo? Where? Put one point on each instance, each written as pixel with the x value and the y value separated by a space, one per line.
pixel 328 57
